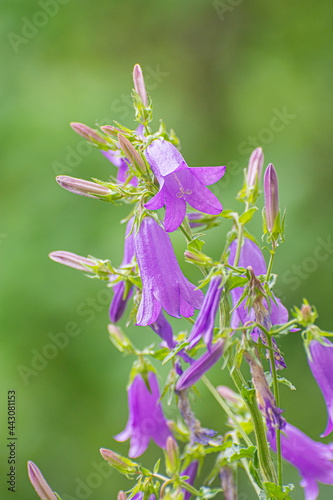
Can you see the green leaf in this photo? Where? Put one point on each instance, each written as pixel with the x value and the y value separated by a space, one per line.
pixel 208 492
pixel 157 466
pixel 247 216
pixel 174 351
pixel 243 453
pixel 229 214
pixel 274 491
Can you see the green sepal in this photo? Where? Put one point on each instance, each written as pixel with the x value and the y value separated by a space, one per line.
pixel 247 216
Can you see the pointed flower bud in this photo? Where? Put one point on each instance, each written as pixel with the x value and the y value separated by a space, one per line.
pixel 139 84
pixel 110 130
pixel 72 260
pixel 121 496
pixel 88 133
pixel 271 196
pixel 82 187
pixel 172 459
pixel 265 398
pixel 228 483
pixel 38 482
pixel 204 324
pixel 119 339
pixel 229 395
pixel 200 366
pixel 131 153
pixel 255 167
pixel 121 464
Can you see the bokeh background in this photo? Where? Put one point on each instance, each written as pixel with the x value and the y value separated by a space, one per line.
pixel 221 74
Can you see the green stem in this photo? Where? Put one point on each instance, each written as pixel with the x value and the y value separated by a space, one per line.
pixel 277 399
pixel 226 408
pixel 270 265
pixel 265 460
pixel 239 244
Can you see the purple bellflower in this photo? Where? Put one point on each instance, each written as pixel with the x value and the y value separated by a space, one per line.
pixel 200 366
pixel 163 283
pixel 251 255
pixel 204 324
pixel 180 184
pixel 312 459
pixel 118 303
pixel 146 419
pixel 190 471
pixel 321 366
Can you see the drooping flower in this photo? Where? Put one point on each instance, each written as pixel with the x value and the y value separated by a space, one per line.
pixel 251 255
pixel 271 196
pixel 180 184
pixel 146 419
pixel 37 480
pixel 190 471
pixel 313 460
pixel 228 483
pixel 163 283
pixel 265 398
pixel 118 303
pixel 321 364
pixel 200 366
pixel 204 324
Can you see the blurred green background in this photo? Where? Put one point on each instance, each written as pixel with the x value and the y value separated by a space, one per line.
pixel 219 74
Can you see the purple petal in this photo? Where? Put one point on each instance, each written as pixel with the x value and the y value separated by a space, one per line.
pixel 208 175
pixel 163 158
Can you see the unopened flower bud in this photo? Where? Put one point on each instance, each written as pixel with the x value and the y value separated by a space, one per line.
pixel 110 130
pixel 228 394
pixel 88 133
pixel 172 456
pixel 139 84
pixel 121 464
pixel 255 167
pixel 121 496
pixel 228 483
pixel 72 260
pixel 306 313
pixel 38 482
pixel 131 153
pixel 82 187
pixel 271 196
pixel 119 339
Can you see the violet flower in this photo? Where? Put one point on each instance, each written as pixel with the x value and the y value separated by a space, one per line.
pixel 180 184
pixel 190 471
pixel 118 303
pixel 251 255
pixel 146 419
pixel 37 480
pixel 200 366
pixel 321 366
pixel 204 324
pixel 312 459
pixel 163 283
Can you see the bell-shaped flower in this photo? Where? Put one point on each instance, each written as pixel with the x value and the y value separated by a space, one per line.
pixel 251 255
pixel 313 460
pixel 321 364
pixel 119 301
pixel 190 471
pixel 204 324
pixel 146 420
pixel 163 283
pixel 180 184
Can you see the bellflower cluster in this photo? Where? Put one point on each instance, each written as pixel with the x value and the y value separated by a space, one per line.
pixel 239 321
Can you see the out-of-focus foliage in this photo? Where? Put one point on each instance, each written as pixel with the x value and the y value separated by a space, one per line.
pixel 222 81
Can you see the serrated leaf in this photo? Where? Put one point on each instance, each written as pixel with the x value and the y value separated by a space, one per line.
pixel 208 492
pixel 286 382
pixel 276 492
pixel 243 453
pixel 247 216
